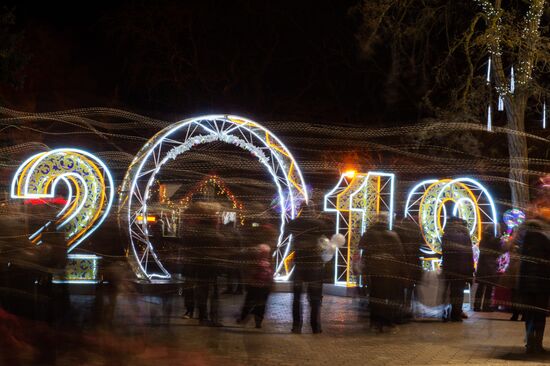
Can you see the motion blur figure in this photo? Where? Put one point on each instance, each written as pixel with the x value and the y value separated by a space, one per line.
pixel 207 255
pixel 385 270
pixel 309 268
pixel 411 240
pixel 458 265
pixel 487 269
pixel 534 280
pixel 232 240
pixel 259 284
pixel 509 280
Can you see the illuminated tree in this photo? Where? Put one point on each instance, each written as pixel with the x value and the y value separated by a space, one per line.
pixel 517 37
pixel 448 42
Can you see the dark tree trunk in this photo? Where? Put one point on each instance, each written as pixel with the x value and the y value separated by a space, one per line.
pixel 517 149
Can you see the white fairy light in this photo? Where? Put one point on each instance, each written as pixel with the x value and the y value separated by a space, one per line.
pixel 544 114
pixel 512 80
pixel 489 119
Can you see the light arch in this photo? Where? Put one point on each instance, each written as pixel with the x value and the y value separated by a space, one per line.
pixel 179 138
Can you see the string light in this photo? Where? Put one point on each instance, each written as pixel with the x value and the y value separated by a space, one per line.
pixel 512 81
pixel 489 119
pixel 544 115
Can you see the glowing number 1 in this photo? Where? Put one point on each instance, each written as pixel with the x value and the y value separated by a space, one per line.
pixel 89 184
pixel 357 198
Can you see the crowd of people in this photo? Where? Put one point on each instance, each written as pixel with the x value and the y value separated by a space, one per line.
pixel 387 268
pixel 391 271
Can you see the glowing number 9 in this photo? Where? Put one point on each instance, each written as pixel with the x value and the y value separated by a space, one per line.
pixel 89 184
pixel 357 198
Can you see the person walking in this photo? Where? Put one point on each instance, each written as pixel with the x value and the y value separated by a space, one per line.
pixel 534 279
pixel 487 269
pixel 458 264
pixel 307 230
pixel 385 271
pixel 258 286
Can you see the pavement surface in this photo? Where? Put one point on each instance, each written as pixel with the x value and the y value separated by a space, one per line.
pixel 147 331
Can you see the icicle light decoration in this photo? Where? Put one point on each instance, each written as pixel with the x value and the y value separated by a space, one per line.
pixel 500 103
pixel 512 80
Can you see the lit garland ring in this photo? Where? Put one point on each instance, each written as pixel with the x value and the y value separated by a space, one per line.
pixel 179 138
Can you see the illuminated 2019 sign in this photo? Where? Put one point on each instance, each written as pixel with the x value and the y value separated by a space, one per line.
pixel 356 198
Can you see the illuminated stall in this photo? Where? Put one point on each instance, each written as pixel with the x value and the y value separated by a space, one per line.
pixel 217 187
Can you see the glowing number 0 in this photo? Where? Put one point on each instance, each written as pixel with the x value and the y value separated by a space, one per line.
pixel 357 198
pixel 88 181
pixel 426 205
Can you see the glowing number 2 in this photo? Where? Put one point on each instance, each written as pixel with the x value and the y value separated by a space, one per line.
pixel 89 184
pixel 357 198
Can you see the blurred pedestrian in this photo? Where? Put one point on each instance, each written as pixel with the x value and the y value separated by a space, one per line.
pixel 258 287
pixel 309 268
pixel 457 266
pixel 206 260
pixel 411 239
pixel 232 241
pixel 487 269
pixel 511 282
pixel 534 280
pixel 385 270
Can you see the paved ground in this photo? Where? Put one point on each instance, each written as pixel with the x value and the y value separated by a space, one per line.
pixel 139 339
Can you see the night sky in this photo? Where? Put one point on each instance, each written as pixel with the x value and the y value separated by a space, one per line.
pixel 279 60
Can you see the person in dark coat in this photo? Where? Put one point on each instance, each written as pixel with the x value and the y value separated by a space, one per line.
pixel 411 240
pixel 534 280
pixel 509 279
pixel 487 269
pixel 205 258
pixel 385 271
pixel 309 269
pixel 458 264
pixel 233 242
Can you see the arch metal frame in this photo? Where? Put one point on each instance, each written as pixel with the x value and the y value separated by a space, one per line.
pixel 179 138
pixel 356 199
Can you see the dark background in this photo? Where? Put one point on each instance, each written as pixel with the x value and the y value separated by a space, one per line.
pixel 173 59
